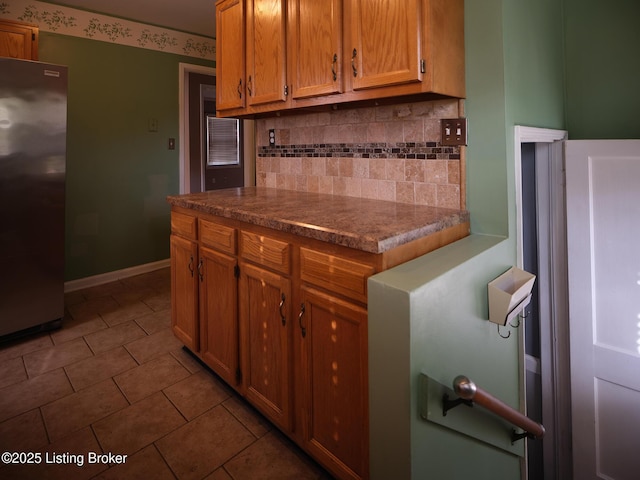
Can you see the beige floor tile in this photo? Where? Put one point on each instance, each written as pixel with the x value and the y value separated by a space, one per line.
pixel 204 444
pixel 73 298
pixel 219 474
pixel 198 393
pixel 187 360
pixel 83 408
pixel 272 458
pixel 160 320
pixel 133 295
pixel 127 312
pixel 99 367
pixel 114 337
pixel 104 290
pixel 150 377
pixel 93 307
pixel 154 345
pixel 18 348
pixel 24 433
pixel 158 302
pixel 32 393
pixel 12 371
pixel 72 328
pixel 144 465
pixel 138 425
pixel 55 357
pixel 248 416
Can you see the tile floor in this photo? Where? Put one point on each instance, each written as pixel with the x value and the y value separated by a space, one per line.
pixel 114 380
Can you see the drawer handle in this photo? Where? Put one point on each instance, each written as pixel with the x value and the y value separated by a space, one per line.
pixel 240 89
pixel 302 328
pixel 200 269
pixel 250 86
pixel 282 317
pixel 191 265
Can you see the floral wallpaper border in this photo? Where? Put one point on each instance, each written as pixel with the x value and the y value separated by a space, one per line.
pixel 79 23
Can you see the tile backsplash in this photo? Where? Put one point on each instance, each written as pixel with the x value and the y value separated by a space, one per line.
pixel 390 152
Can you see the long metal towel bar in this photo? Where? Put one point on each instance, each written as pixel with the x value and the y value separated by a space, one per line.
pixel 470 393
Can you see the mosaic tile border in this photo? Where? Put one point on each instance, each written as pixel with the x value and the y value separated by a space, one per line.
pixel 402 150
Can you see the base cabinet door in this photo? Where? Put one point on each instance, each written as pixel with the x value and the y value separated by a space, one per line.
pixel 184 291
pixel 265 322
pixel 219 339
pixel 333 346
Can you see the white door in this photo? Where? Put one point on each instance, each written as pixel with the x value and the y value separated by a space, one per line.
pixel 603 239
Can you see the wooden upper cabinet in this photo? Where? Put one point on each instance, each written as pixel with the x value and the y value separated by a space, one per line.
pixel 315 47
pixel 230 49
pixel 266 52
pixel 18 40
pixel 385 47
pixel 308 53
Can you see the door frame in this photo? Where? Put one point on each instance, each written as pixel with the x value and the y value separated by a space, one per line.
pixel 183 134
pixel 553 365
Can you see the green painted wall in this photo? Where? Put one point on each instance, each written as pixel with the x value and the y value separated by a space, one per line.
pixel 602 68
pixel 118 173
pixel 430 315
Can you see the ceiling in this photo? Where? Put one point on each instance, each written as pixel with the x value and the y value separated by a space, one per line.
pixel 192 16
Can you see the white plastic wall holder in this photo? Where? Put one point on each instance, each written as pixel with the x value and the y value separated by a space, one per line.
pixel 509 294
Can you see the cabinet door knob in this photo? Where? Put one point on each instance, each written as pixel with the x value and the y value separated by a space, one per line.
pixel 200 270
pixel 353 62
pixel 240 89
pixel 333 66
pixel 250 86
pixel 302 328
pixel 282 316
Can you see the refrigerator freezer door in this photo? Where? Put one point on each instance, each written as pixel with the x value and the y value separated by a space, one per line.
pixel 33 118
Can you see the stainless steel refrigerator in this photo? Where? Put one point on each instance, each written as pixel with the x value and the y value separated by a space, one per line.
pixel 33 131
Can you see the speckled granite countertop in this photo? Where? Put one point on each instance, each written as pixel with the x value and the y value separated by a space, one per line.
pixel 370 225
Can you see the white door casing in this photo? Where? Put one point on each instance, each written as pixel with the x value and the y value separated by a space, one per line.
pixel 603 238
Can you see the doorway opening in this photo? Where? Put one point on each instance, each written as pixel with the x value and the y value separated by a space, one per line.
pixel 541 249
pixel 206 163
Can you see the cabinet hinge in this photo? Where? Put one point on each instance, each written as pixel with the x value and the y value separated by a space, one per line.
pixel 423 66
pixel 286 90
pixel 236 271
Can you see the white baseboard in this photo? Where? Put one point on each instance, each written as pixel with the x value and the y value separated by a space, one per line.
pixel 79 284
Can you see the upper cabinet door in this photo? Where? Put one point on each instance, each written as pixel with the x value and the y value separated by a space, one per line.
pixel 315 47
pixel 266 51
pixel 18 40
pixel 230 47
pixel 385 44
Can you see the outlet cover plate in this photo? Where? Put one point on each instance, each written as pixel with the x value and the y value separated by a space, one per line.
pixel 454 131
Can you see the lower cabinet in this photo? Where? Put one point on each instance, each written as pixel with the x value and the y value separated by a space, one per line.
pixel 334 406
pixel 219 332
pixel 265 322
pixel 184 291
pixel 283 320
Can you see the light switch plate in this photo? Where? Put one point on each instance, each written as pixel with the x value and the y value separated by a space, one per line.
pixel 454 131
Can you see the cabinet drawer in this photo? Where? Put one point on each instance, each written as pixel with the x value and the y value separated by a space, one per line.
pixel 183 225
pixel 218 236
pixel 335 273
pixel 266 251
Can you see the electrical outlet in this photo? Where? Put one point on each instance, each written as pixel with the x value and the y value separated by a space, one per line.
pixel 454 131
pixel 272 137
